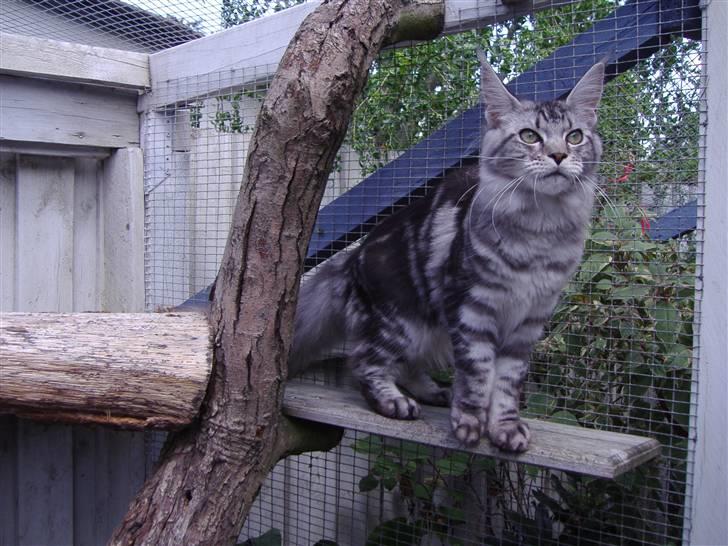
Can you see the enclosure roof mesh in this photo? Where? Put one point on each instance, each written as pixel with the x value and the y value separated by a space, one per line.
pixel 106 23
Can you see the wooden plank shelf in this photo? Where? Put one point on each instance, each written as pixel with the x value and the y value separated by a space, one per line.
pixel 585 451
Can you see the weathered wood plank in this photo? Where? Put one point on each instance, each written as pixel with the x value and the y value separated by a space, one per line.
pixel 63 113
pixel 86 220
pixel 250 52
pixel 51 59
pixel 44 224
pixel 8 202
pixel 563 447
pixel 122 206
pixel 108 471
pixel 124 369
pixel 45 484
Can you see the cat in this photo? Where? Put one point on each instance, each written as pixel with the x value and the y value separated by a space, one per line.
pixel 468 275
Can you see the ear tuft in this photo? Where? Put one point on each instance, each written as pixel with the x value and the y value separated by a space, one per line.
pixel 497 99
pixel 587 92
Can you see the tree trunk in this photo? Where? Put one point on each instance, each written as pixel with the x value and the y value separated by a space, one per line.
pixel 211 473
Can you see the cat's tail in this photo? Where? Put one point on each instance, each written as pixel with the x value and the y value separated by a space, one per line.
pixel 320 324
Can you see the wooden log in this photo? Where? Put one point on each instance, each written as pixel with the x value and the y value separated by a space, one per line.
pixel 131 370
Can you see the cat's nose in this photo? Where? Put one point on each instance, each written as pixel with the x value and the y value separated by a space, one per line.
pixel 558 157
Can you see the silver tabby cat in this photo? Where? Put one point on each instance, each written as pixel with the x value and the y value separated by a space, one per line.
pixel 468 276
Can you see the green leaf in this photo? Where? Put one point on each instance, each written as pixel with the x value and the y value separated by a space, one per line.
pixel 630 292
pixel 681 359
pixel 603 237
pixel 593 265
pixel 422 492
pixel 368 483
pixel 539 404
pixel 667 321
pixel 368 444
pixel 456 464
pixel 271 537
pixel 564 417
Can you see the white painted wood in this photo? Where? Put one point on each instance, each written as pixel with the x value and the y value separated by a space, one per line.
pixel 585 451
pixel 122 209
pixel 466 14
pixel 63 113
pixel 249 53
pixel 86 232
pixel 55 60
pixel 55 150
pixel 253 48
pixel 45 484
pixel 707 495
pixel 44 258
pixel 7 231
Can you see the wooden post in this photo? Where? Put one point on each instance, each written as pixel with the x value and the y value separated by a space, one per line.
pixel 707 495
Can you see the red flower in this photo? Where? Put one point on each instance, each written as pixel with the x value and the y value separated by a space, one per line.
pixel 626 171
pixel 645 223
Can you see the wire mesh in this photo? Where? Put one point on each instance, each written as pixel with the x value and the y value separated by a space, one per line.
pixel 618 352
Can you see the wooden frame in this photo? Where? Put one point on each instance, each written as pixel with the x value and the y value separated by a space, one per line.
pixel 707 492
pixel 54 60
pixel 250 52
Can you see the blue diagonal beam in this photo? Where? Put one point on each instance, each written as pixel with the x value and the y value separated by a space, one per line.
pixel 631 33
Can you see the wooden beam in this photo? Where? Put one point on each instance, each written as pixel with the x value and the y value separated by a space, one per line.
pixel 249 53
pixel 135 370
pixel 54 60
pixel 563 447
pixel 122 204
pixel 707 493
pixel 61 113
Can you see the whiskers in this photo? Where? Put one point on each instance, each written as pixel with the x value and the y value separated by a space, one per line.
pixel 495 199
pixel 601 195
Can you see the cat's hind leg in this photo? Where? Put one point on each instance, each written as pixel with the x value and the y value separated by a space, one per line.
pixel 377 367
pixel 420 384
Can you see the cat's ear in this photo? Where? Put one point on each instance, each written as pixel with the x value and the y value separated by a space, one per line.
pixel 587 93
pixel 494 95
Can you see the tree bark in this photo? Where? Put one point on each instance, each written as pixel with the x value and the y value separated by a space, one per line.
pixel 130 370
pixel 211 473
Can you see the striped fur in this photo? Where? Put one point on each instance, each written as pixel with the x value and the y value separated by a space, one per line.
pixel 468 276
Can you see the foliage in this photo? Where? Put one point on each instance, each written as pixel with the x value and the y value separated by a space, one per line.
pixel 235 12
pixel 272 537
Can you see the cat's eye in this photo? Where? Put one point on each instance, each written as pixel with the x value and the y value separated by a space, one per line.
pixel 529 136
pixel 575 137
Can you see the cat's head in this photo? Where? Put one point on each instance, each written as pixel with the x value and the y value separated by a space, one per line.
pixel 554 145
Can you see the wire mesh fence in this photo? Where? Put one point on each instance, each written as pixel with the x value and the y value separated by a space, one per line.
pixel 618 352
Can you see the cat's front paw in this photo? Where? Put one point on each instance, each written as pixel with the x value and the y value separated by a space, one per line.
pixel 468 424
pixel 398 407
pixel 512 435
